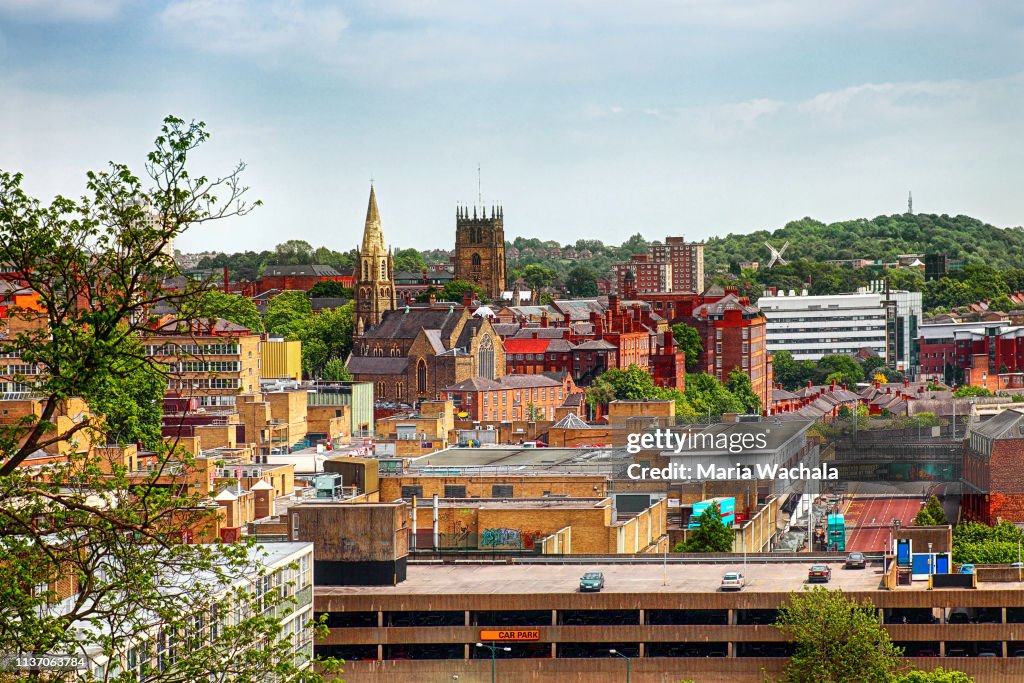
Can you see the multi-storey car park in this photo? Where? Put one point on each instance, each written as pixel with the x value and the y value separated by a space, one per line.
pixel 670 620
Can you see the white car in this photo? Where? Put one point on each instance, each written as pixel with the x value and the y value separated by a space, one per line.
pixel 732 581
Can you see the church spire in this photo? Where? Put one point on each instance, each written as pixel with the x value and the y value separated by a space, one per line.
pixel 373 236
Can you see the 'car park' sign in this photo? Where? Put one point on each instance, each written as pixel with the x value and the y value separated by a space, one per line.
pixel 509 635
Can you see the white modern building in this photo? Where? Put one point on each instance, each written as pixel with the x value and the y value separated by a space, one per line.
pixel 810 327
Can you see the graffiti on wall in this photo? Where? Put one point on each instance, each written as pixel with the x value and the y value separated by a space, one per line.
pixel 508 538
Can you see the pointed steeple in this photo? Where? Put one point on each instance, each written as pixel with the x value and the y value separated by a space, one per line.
pixel 373 236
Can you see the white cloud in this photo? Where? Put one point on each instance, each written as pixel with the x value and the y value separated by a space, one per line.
pixel 62 10
pixel 244 27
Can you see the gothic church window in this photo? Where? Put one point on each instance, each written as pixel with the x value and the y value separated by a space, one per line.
pixel 421 376
pixel 485 358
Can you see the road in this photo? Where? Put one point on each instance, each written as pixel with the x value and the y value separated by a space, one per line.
pixel 871 519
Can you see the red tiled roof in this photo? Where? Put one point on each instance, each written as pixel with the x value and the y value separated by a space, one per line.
pixel 514 345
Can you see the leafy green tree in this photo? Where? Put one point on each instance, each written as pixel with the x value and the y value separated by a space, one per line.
pixel 130 398
pixel 689 342
pixel 935 511
pixel 871 364
pixel 938 675
pixel 329 288
pixel 739 386
pixel 96 265
pixel 232 307
pixel 632 384
pixel 582 281
pixel 711 536
pixel 977 543
pixel 790 373
pixel 409 260
pixel 325 336
pixel 334 370
pixel 538 277
pixel 843 369
pixel 838 640
pixel 923 518
pixel 453 291
pixel 708 396
pixel 287 313
pixel 969 390
pixel 293 253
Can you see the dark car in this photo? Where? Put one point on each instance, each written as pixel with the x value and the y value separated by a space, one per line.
pixel 856 561
pixel 591 582
pixel 819 573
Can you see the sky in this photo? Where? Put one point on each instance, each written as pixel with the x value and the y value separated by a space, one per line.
pixel 590 119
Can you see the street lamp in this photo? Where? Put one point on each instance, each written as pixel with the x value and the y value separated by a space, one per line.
pixel 619 654
pixel 493 649
pixel 931 560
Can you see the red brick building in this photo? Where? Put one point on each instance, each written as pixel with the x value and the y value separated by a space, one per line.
pixel 643 274
pixel 675 266
pixel 992 473
pixel 984 354
pixel 732 331
pixel 512 397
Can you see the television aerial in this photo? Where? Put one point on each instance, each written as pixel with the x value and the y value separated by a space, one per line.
pixel 777 254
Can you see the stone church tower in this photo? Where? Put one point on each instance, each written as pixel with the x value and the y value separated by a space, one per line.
pixel 480 249
pixel 375 286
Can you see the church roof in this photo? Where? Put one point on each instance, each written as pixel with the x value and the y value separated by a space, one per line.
pixel 378 365
pixel 406 323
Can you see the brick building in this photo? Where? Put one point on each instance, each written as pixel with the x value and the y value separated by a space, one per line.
pixel 643 274
pixel 732 331
pixel 992 474
pixel 480 249
pixel 512 397
pixel 414 353
pixel 989 354
pixel 211 359
pixel 302 277
pixel 675 266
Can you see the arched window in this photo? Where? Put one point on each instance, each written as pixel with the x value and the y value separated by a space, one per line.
pixel 366 270
pixel 421 376
pixel 383 270
pixel 485 358
pixel 382 388
pixel 476 261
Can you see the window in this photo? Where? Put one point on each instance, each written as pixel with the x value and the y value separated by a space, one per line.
pixel 295 526
pixel 421 376
pixel 410 491
pixel 452 491
pixel 501 490
pixel 485 358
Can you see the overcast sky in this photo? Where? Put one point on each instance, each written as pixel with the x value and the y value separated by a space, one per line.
pixel 591 119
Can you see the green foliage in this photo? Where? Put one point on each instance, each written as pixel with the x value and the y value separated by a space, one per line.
pixel 689 342
pixel 976 543
pixel 739 386
pixel 872 363
pixel 707 395
pixel 712 536
pixel 329 289
pixel 582 282
pixel 409 260
pixel 837 639
pixel 326 337
pixel 130 398
pixel 286 313
pixel 232 307
pixel 97 264
pixel 842 369
pixel 790 373
pixel 537 277
pixel 935 511
pixel 969 390
pixel 938 675
pixel 453 291
pixel 334 370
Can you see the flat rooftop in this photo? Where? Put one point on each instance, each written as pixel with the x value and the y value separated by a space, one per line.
pixel 510 459
pixel 619 578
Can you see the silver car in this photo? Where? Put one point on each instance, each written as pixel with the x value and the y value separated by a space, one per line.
pixel 732 581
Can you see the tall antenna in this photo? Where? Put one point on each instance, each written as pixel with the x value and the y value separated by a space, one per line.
pixel 910 203
pixel 479 192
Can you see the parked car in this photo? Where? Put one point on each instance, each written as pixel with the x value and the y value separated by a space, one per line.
pixel 591 582
pixel 819 573
pixel 856 561
pixel 967 569
pixel 732 581
pixel 958 616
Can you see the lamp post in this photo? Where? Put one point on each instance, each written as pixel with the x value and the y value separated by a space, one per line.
pixel 931 561
pixel 619 654
pixel 493 649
